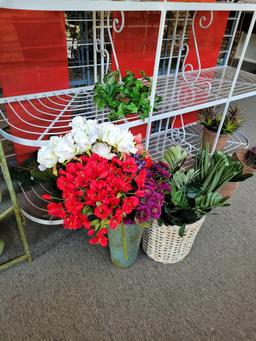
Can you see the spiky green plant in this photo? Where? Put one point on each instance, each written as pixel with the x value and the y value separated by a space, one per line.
pixel 175 156
pixel 195 192
pixel 211 118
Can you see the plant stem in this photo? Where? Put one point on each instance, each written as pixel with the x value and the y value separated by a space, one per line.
pixel 124 241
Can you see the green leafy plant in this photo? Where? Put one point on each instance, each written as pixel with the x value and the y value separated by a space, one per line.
pixel 211 118
pixel 125 97
pixel 195 191
pixel 175 157
pixel 250 157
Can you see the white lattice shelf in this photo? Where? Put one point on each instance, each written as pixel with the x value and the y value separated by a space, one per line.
pixel 32 118
pixel 212 88
pixel 189 139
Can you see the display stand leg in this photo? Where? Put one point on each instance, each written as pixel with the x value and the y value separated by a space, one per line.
pixel 14 209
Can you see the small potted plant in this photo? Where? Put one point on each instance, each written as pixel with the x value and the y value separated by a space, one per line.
pixel 236 167
pixel 194 193
pixel 210 119
pixel 247 159
pixel 128 97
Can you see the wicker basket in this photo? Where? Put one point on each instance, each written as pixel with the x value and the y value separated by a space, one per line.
pixel 164 245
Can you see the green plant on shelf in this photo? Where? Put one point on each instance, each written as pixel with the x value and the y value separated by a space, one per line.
pixel 128 96
pixel 210 118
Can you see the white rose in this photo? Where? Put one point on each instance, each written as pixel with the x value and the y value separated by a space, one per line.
pixel 85 132
pixel 82 141
pixel 126 143
pixel 91 128
pixel 77 122
pixel 65 148
pixel 46 157
pixel 103 150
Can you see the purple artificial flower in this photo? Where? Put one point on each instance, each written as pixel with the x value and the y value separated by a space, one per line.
pixel 143 213
pixel 156 211
pixel 164 187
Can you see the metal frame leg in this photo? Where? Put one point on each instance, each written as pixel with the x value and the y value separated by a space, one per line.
pixel 17 212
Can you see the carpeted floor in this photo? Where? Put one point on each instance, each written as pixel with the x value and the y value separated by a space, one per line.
pixel 71 291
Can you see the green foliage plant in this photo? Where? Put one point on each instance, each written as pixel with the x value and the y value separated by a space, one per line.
pixel 128 96
pixel 194 192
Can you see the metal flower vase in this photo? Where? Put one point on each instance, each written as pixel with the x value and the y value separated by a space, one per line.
pixel 124 243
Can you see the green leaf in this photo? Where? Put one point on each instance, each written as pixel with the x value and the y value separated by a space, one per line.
pixel 182 230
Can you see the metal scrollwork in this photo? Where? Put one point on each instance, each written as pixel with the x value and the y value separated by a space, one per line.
pixel 115 24
pixel 187 69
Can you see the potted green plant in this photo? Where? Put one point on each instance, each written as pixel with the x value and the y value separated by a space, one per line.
pixel 228 189
pixel 247 159
pixel 194 193
pixel 128 97
pixel 210 119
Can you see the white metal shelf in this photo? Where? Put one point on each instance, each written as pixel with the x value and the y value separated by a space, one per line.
pixel 190 139
pixel 45 114
pixel 128 5
pixel 210 89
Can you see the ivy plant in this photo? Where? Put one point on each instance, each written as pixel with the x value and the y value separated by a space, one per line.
pixel 129 95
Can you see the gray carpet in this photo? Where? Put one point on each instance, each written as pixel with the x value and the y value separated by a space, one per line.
pixel 71 291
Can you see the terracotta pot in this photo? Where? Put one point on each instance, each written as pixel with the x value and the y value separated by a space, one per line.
pixel 228 190
pixel 208 137
pixel 239 155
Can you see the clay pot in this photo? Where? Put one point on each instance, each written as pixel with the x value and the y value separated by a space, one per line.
pixel 208 137
pixel 228 189
pixel 239 155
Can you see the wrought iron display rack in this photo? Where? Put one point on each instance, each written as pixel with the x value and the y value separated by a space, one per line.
pixel 182 87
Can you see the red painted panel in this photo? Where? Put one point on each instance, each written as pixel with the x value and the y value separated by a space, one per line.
pixel 136 44
pixel 33 58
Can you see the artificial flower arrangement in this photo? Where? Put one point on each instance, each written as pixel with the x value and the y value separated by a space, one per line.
pixel 105 178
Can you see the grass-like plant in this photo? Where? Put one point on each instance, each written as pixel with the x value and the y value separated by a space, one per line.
pixel 210 118
pixel 128 96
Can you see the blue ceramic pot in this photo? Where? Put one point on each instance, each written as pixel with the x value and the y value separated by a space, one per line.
pixel 124 243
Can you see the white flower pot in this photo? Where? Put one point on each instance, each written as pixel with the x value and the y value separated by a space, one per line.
pixel 164 245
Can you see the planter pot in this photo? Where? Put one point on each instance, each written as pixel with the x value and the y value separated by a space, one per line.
pixel 228 190
pixel 208 137
pixel 163 243
pixel 240 156
pixel 124 244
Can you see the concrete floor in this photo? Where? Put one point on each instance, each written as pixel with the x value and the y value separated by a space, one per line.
pixel 71 291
